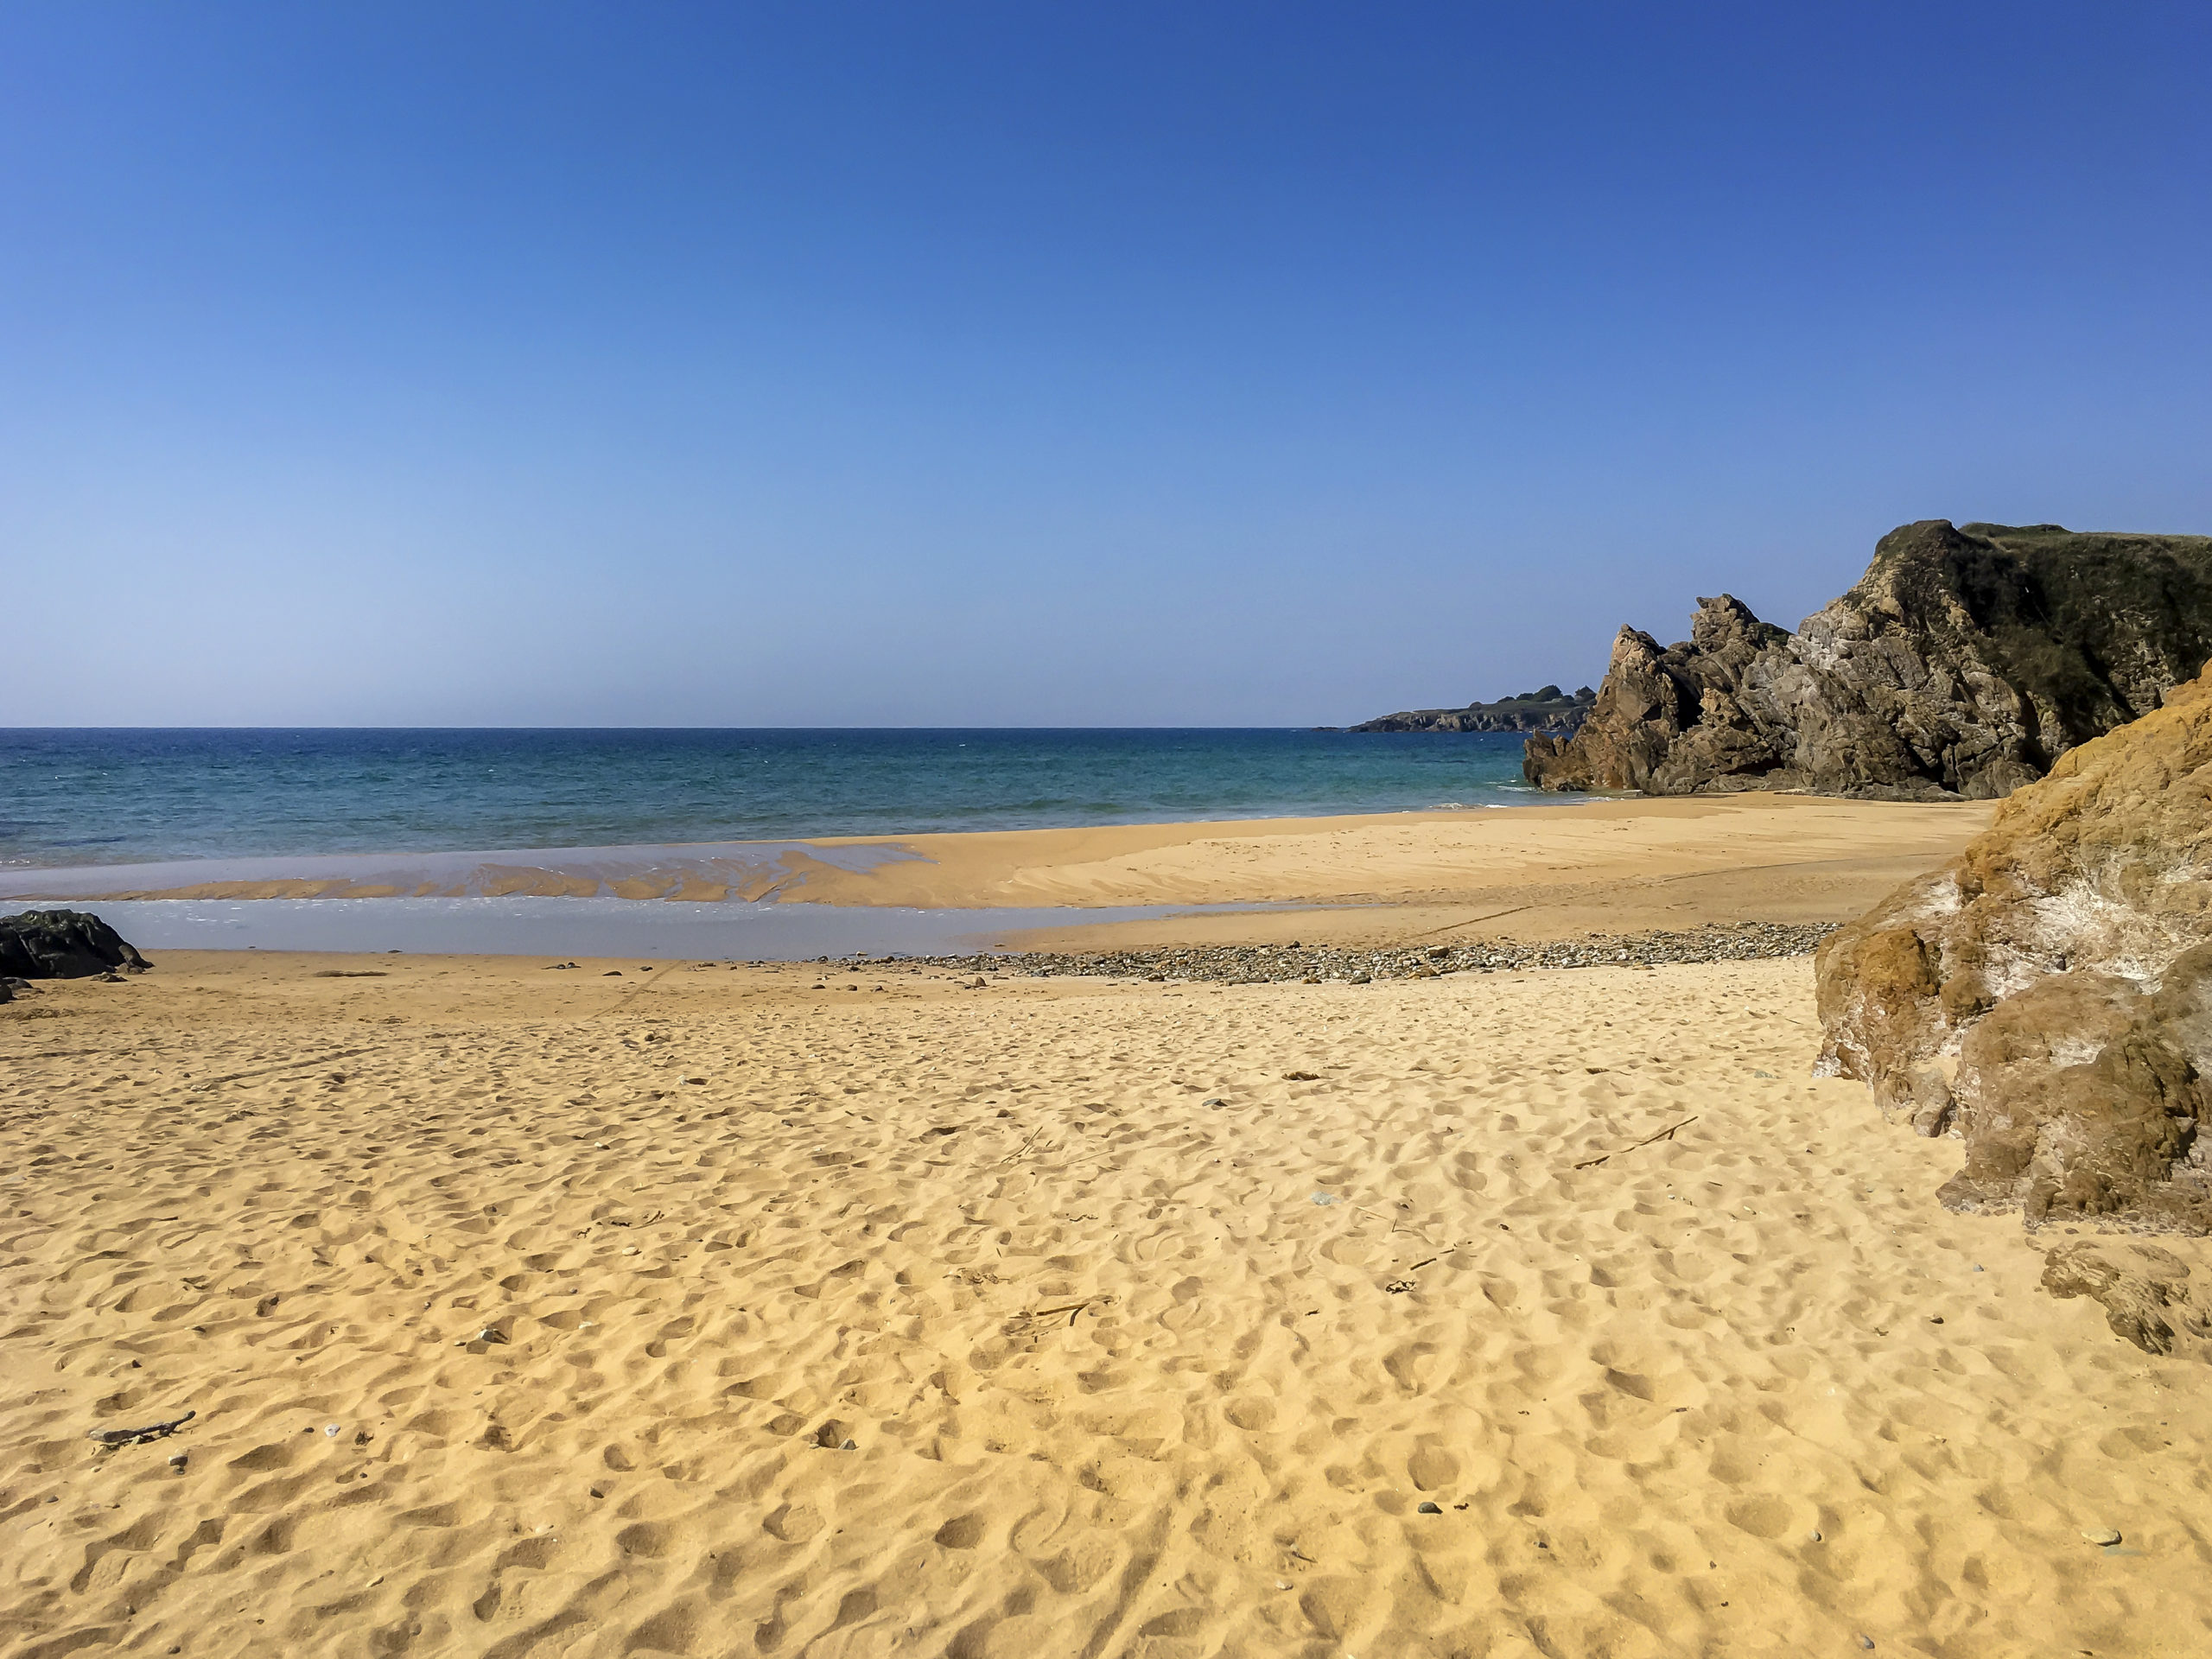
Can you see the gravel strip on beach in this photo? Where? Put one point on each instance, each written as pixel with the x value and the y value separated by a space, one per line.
pixel 1256 964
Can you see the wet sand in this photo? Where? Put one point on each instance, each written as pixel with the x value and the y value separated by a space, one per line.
pixel 1538 872
pixel 531 1312
pixel 1682 859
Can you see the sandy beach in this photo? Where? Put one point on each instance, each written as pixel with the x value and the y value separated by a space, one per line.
pixel 636 1308
pixel 1105 832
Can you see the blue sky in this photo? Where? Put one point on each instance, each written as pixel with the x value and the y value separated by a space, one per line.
pixel 944 364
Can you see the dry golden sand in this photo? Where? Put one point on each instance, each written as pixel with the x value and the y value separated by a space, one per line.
pixel 1115 1383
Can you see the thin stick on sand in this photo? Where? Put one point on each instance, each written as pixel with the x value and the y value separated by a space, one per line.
pixel 1666 1134
pixel 1453 927
pixel 1069 1308
pixel 1073 1310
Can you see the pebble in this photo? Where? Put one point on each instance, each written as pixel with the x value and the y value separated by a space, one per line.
pixel 1425 1508
pixel 1295 963
pixel 1324 1198
pixel 1867 1642
pixel 2101 1536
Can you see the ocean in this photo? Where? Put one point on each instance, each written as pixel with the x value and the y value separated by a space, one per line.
pixel 88 812
pixel 73 797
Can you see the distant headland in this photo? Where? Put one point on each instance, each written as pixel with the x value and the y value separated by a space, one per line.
pixel 1546 710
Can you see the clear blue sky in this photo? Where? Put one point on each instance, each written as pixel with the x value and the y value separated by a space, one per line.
pixel 944 364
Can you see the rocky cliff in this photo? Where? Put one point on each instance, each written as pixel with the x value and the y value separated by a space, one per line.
pixel 1964 663
pixel 1546 710
pixel 2048 998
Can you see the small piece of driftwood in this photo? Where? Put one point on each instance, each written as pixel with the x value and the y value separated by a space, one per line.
pixel 114 1437
pixel 1666 1134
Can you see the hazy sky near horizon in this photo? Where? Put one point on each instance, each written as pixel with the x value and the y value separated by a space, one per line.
pixel 946 364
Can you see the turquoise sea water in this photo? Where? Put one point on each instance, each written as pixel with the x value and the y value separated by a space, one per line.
pixel 86 816
pixel 74 797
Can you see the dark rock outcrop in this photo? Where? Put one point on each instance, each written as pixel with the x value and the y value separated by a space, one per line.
pixel 1548 709
pixel 2048 997
pixel 1964 663
pixel 63 944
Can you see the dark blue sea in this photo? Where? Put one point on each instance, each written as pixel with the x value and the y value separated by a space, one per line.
pixel 74 798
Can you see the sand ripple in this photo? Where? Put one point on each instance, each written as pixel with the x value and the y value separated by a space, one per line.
pixel 707 1314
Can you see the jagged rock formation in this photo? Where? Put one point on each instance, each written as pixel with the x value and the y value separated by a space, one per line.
pixel 2048 997
pixel 1548 709
pixel 63 944
pixel 1963 664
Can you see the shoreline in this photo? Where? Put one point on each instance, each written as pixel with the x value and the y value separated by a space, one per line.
pixel 119 798
pixel 1625 865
